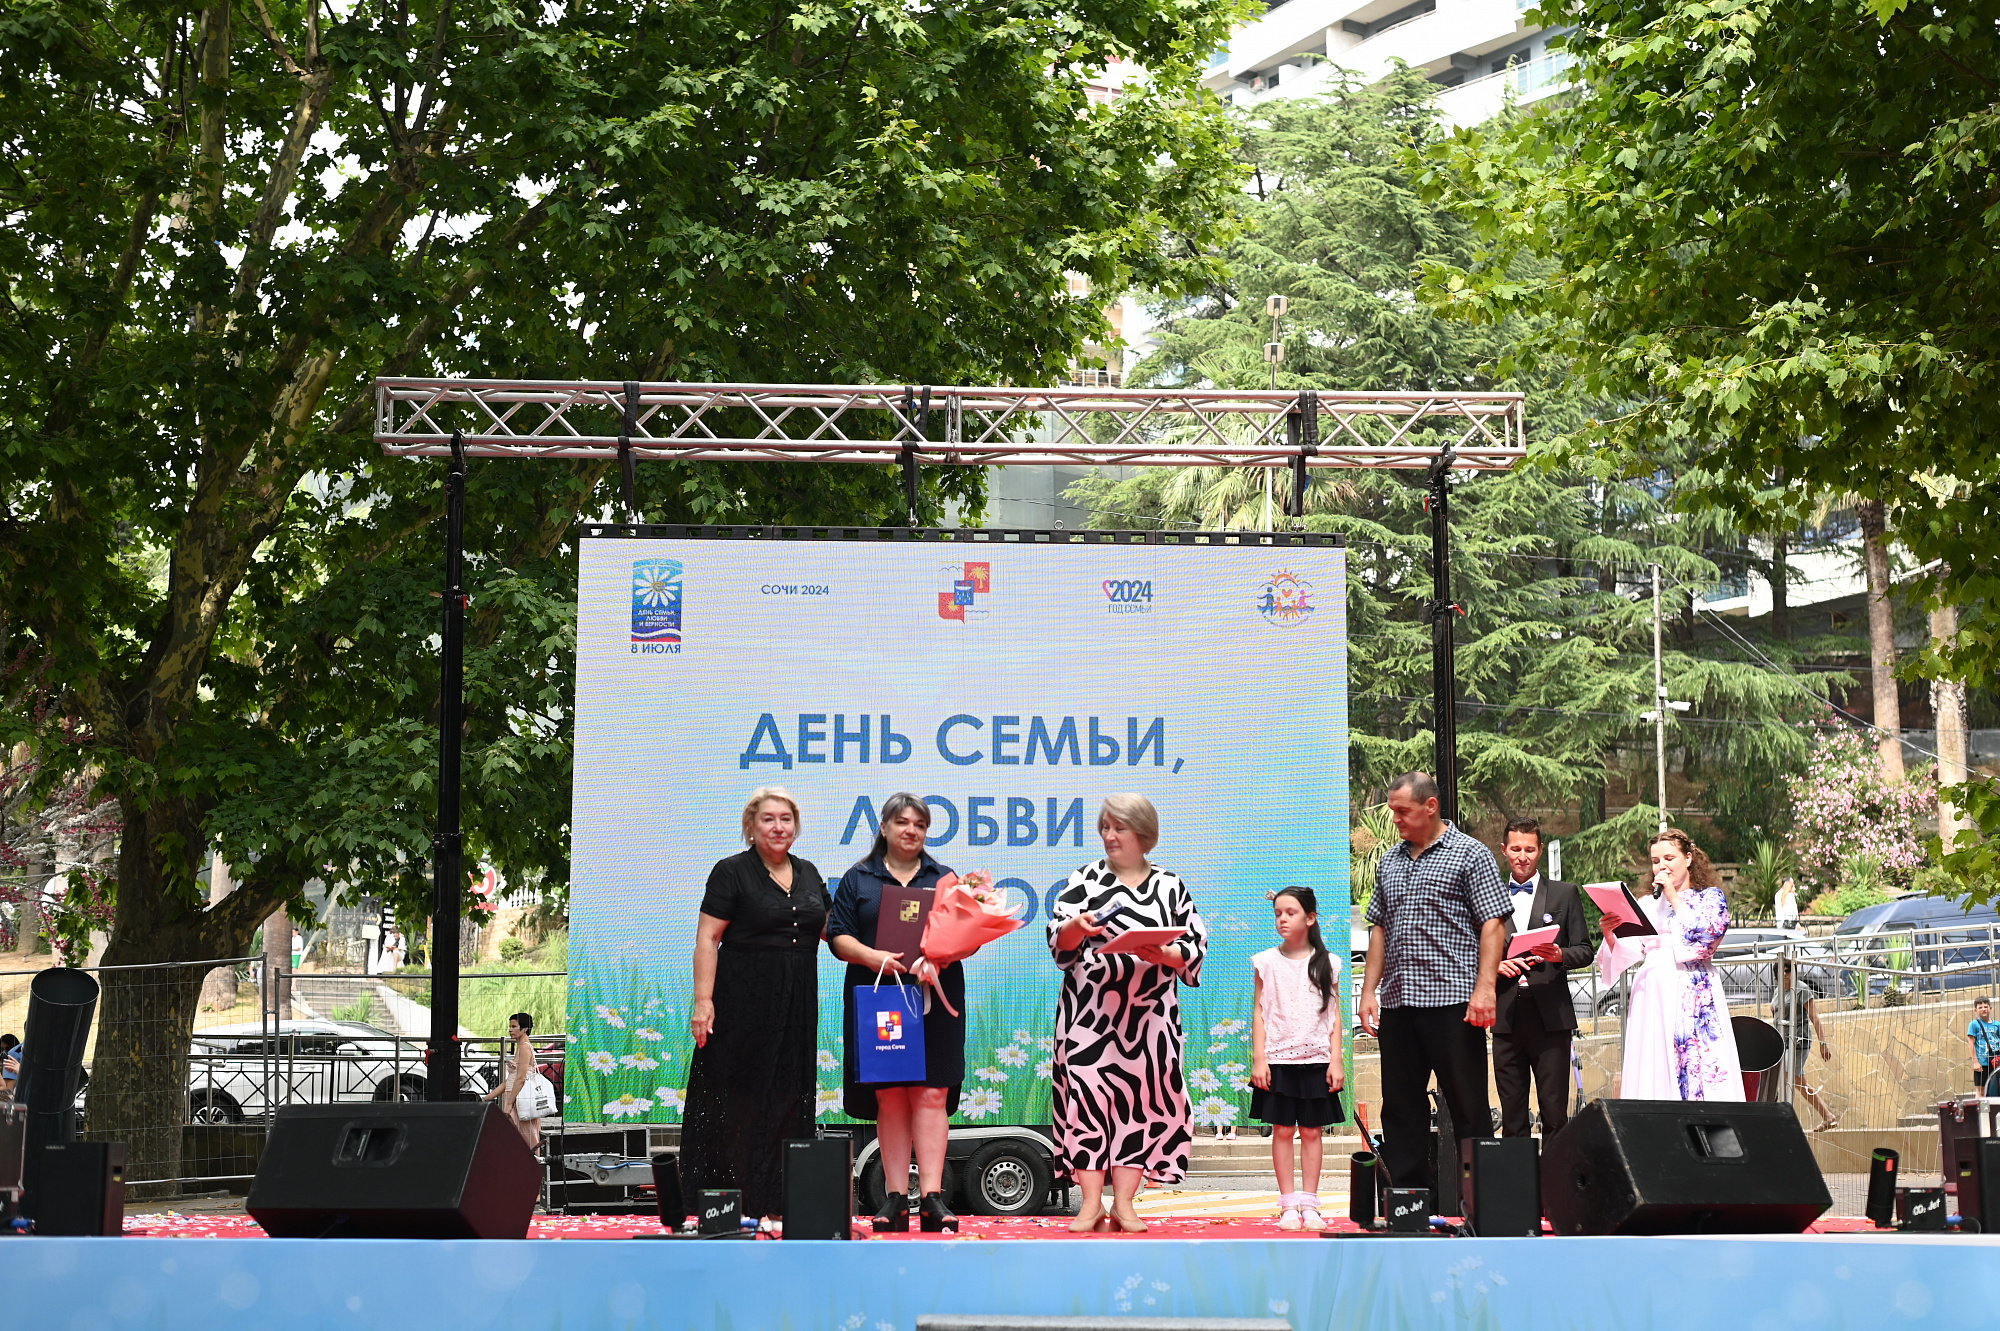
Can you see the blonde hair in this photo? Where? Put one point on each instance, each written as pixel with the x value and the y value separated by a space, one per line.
pixel 1700 872
pixel 1136 812
pixel 758 796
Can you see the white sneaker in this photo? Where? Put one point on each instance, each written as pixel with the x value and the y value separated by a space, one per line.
pixel 1289 1218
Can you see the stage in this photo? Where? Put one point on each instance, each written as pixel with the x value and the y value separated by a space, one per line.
pixel 591 1280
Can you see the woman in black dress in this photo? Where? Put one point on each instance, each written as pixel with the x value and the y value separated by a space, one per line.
pixel 755 1018
pixel 913 1113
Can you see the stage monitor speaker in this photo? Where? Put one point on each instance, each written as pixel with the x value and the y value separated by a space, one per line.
pixel 444 1170
pixel 1500 1183
pixel 1977 1170
pixel 819 1188
pixel 80 1189
pixel 1682 1167
pixel 667 1189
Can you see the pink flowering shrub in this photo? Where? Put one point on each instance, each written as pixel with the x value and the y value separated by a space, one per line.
pixel 1845 814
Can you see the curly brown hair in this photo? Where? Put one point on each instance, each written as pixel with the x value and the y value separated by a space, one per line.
pixel 1700 872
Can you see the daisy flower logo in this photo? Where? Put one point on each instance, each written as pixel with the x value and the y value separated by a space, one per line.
pixel 648 1033
pixel 827 1062
pixel 980 1101
pixel 600 1061
pixel 1204 1080
pixel 1214 1112
pixel 1233 1026
pixel 990 1074
pixel 1013 1056
pixel 643 1062
pixel 627 1106
pixel 670 1098
pixel 610 1018
pixel 828 1101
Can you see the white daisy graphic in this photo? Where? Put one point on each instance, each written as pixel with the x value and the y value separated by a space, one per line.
pixel 643 1062
pixel 1022 1037
pixel 1047 1044
pixel 1213 1112
pixel 990 1074
pixel 600 1061
pixel 1204 1080
pixel 1228 1069
pixel 610 1018
pixel 827 1062
pixel 1013 1056
pixel 1239 1083
pixel 1045 1069
pixel 670 1098
pixel 627 1106
pixel 828 1101
pixel 1230 1027
pixel 979 1102
pixel 648 1033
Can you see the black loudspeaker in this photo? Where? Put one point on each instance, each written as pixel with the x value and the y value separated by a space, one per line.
pixel 80 1189
pixel 1881 1208
pixel 1682 1167
pixel 1500 1182
pixel 819 1188
pixel 667 1185
pixel 444 1170
pixel 1977 1170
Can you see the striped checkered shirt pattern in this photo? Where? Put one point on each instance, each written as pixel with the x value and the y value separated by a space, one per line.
pixel 1431 907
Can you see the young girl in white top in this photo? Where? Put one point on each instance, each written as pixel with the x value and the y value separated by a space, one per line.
pixel 1295 1061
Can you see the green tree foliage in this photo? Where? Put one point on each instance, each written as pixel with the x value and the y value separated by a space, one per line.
pixel 1555 650
pixel 222 223
pixel 1771 226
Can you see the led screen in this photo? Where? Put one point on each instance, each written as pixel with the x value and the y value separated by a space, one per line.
pixel 1012 685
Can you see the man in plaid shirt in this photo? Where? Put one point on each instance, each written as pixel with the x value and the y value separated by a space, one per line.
pixel 1437 926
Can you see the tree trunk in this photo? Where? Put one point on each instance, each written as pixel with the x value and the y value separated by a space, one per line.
pixel 1881 638
pixel 1781 600
pixel 278 959
pixel 218 991
pixel 1948 704
pixel 27 936
pixel 138 1076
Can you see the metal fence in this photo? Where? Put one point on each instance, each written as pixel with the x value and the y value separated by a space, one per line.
pixel 262 1040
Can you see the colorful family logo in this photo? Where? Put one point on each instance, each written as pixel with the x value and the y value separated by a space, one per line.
pixel 1286 599
pixel 1128 596
pixel 656 602
pixel 963 591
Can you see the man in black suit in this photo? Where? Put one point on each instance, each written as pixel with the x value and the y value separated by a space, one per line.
pixel 1533 1019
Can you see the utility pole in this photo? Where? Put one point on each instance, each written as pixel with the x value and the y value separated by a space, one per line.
pixel 1658 716
pixel 1274 356
pixel 448 845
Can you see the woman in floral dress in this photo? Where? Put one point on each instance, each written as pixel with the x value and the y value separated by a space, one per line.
pixel 1678 1041
pixel 1120 1099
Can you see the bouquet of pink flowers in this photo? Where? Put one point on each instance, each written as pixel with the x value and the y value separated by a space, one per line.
pixel 966 915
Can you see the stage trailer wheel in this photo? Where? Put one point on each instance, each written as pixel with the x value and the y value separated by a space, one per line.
pixel 1007 1178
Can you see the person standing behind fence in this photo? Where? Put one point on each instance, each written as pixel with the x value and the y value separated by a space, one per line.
pixel 1437 923
pixel 10 1067
pixel 1982 1036
pixel 1678 1041
pixel 755 1016
pixel 1799 1024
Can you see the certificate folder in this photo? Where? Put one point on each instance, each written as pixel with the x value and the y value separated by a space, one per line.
pixel 1619 898
pixel 899 928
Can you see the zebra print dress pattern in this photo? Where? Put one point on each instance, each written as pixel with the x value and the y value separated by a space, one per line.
pixel 1120 1098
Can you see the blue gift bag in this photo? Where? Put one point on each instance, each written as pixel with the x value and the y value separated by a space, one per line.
pixel 888 1034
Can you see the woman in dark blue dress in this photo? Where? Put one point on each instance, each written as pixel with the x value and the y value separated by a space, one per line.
pixel 913 1114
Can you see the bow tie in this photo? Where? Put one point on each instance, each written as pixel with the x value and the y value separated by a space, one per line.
pixel 1523 887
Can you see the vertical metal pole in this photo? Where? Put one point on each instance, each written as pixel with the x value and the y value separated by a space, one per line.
pixel 448 846
pixel 1659 701
pixel 1444 685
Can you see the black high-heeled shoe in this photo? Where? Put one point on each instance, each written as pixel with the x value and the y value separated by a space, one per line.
pixel 934 1216
pixel 894 1217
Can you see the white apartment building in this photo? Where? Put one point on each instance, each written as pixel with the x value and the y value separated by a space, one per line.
pixel 1476 50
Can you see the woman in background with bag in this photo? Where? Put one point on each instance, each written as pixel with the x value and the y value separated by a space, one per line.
pixel 527 1103
pixel 908 1114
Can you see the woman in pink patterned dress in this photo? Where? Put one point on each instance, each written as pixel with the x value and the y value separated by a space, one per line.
pixel 1678 1042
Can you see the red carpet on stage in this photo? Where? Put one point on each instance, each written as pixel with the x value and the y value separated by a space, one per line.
pixel 169 1224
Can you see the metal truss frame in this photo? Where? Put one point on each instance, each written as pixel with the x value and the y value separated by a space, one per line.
pixel 883 424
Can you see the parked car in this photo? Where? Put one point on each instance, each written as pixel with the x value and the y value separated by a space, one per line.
pixel 241 1072
pixel 1940 943
pixel 1748 970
